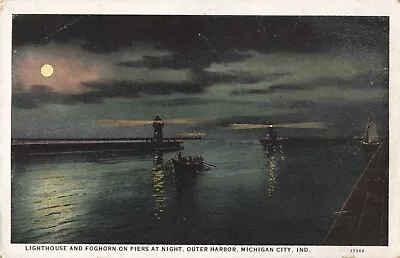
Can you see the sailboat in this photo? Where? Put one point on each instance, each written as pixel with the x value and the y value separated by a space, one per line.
pixel 371 137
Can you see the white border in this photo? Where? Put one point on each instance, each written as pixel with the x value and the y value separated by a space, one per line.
pixel 223 7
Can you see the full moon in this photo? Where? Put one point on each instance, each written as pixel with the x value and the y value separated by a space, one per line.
pixel 47 70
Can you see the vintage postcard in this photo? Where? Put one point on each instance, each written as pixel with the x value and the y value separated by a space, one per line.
pixel 207 131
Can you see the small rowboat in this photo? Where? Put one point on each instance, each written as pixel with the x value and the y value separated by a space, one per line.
pixel 185 167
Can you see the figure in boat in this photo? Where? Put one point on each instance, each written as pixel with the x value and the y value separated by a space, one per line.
pixel 184 166
pixel 371 136
pixel 190 160
pixel 158 125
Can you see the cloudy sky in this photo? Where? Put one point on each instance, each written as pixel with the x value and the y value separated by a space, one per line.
pixel 206 71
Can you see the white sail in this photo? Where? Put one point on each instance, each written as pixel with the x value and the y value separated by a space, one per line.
pixel 371 133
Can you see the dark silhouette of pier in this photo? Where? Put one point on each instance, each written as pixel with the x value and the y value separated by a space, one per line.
pixel 138 144
pixel 363 219
pixel 70 145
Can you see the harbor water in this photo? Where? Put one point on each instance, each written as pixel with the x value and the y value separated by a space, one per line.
pixel 254 196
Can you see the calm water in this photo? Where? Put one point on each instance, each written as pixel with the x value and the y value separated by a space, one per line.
pixel 252 197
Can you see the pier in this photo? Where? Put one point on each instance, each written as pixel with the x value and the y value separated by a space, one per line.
pixel 272 138
pixel 73 145
pixel 363 219
pixel 310 140
pixel 138 144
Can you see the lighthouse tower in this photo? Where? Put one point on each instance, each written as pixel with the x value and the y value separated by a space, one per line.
pixel 158 125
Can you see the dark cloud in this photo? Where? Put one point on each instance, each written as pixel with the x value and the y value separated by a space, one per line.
pixel 185 33
pixel 365 82
pixel 36 97
pixel 299 104
pixel 175 61
pixel 173 32
pixel 193 59
pixel 210 78
pixel 131 89
pixel 180 101
pixel 25 100
pixel 40 95
pixel 271 89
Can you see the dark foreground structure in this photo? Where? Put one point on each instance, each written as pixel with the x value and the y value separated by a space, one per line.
pixel 363 220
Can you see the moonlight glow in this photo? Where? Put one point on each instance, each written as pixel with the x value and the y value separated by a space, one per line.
pixel 47 70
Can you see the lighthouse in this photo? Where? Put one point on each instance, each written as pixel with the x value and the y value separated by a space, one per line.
pixel 158 125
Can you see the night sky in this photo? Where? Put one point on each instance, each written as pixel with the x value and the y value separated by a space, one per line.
pixel 206 71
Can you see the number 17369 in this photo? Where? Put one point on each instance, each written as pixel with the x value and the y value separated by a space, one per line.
pixel 356 250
